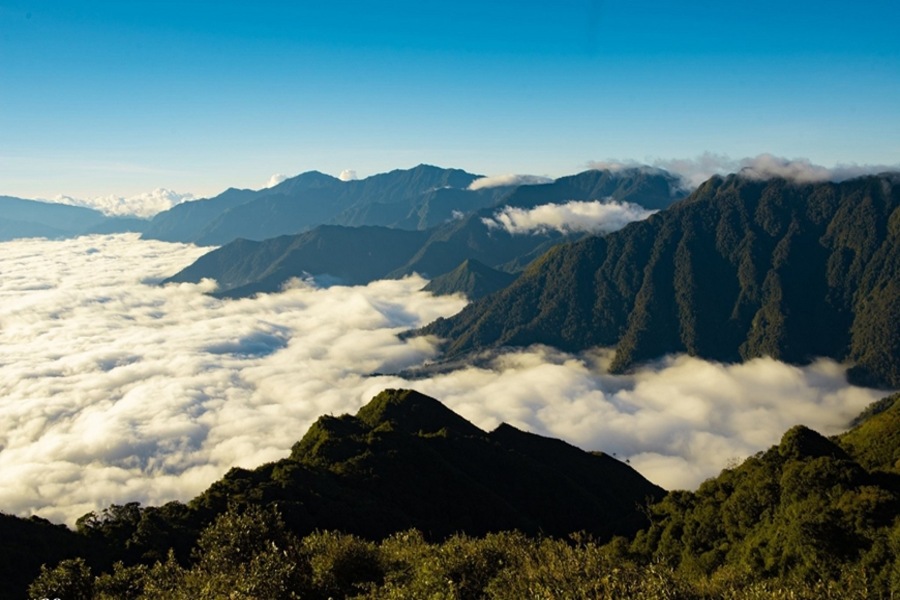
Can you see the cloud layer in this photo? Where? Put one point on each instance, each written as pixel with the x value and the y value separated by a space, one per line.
pixel 143 205
pixel 275 180
pixel 507 180
pixel 113 388
pixel 589 217
pixel 694 171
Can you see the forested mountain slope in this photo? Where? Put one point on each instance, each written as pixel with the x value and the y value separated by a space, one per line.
pixel 741 268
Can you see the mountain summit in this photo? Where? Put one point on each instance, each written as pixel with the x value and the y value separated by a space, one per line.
pixel 407 461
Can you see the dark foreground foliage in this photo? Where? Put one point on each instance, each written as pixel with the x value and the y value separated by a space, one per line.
pixel 251 555
pixel 809 518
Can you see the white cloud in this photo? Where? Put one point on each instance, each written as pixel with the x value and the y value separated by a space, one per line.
pixel 348 175
pixel 115 389
pixel 694 171
pixel 275 180
pixel 507 180
pixel 678 421
pixel 143 205
pixel 591 217
pixel 616 166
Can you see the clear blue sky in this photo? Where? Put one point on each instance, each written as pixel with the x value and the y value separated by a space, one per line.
pixel 120 97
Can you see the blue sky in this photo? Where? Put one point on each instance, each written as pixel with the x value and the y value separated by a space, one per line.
pixel 103 97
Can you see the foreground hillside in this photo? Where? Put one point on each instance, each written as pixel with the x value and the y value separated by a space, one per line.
pixel 405 461
pixel 809 518
pixel 742 268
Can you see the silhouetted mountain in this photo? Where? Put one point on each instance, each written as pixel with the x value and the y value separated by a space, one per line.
pixel 742 268
pixel 20 218
pixel 399 198
pixel 472 278
pixel 405 460
pixel 359 256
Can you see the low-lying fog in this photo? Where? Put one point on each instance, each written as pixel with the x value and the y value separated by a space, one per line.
pixel 114 389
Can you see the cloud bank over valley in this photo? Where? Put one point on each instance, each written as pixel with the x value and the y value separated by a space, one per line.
pixel 113 388
pixel 507 180
pixel 575 216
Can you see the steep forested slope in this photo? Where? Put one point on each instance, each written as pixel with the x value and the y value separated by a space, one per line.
pixel 805 511
pixel 742 268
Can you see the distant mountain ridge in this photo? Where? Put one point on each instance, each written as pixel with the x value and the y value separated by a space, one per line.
pixel 21 218
pixel 739 269
pixel 363 254
pixel 401 197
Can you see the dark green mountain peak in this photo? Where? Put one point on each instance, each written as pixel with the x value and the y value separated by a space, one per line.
pixel 801 442
pixel 405 460
pixel 335 439
pixel 472 278
pixel 411 412
pixel 534 444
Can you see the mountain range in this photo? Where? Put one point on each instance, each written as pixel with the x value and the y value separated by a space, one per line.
pixel 419 198
pixel 739 269
pixel 23 218
pixel 412 197
pixel 356 255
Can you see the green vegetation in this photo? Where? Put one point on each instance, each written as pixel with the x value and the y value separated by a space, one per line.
pixel 809 518
pixel 472 278
pixel 740 269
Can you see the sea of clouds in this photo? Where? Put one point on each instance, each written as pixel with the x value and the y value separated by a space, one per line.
pixel 115 389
